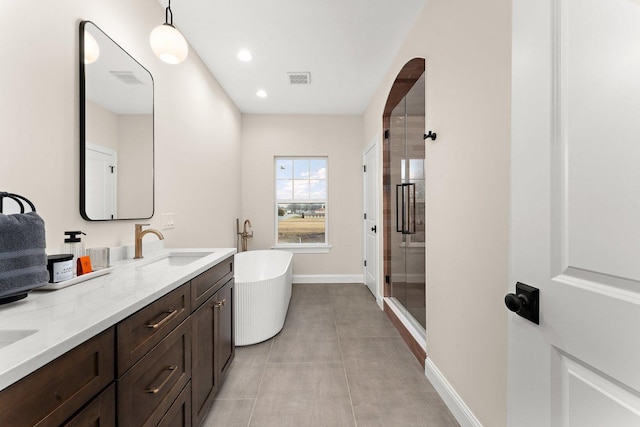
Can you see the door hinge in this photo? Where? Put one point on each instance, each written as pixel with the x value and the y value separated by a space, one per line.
pixel 364 168
pixel 387 279
pixel 386 134
pixel 112 168
pixel 365 262
pixel 365 216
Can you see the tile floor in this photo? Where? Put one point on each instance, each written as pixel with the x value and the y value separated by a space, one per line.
pixel 338 361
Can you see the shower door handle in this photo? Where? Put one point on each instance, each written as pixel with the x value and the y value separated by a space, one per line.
pixel 399 202
pixel 406 208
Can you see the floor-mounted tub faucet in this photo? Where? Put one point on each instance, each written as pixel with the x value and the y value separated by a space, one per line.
pixel 138 239
pixel 244 234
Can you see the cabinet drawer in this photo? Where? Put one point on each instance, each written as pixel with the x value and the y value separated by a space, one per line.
pixel 141 331
pixel 100 412
pixel 206 284
pixel 53 393
pixel 179 415
pixel 149 388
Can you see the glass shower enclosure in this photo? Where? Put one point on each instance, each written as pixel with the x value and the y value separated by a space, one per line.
pixel 406 154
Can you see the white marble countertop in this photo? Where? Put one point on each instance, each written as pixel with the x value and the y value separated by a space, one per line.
pixel 55 322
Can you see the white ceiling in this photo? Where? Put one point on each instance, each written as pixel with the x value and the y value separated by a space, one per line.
pixel 346 45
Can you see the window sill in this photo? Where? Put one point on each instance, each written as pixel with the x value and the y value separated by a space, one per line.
pixel 304 249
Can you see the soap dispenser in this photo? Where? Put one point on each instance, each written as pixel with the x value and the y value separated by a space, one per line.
pixel 73 245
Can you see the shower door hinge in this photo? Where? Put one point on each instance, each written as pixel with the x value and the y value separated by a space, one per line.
pixel 386 134
pixel 364 168
pixel 365 216
pixel 365 262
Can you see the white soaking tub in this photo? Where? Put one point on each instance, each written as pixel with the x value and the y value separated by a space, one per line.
pixel 262 292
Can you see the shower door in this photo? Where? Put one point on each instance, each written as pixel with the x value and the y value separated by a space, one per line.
pixel 407 196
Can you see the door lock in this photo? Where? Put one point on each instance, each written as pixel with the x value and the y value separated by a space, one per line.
pixel 525 302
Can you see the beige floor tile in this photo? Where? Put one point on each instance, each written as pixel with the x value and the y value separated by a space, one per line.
pixel 229 413
pixel 313 380
pixel 302 411
pixel 305 350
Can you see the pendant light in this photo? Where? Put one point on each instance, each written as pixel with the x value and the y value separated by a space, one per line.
pixel 167 42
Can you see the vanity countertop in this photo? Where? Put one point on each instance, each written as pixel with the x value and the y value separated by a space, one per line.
pixel 54 322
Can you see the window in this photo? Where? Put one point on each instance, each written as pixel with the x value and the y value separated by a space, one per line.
pixel 301 201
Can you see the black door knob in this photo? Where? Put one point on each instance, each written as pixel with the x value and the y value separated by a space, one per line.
pixel 374 228
pixel 525 302
pixel 516 302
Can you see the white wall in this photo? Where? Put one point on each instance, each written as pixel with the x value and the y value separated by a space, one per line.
pixel 338 137
pixel 467 46
pixel 197 127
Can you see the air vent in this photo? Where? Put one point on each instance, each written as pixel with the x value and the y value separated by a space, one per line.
pixel 126 77
pixel 300 78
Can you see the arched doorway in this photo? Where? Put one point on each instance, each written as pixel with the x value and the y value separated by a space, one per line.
pixel 405 204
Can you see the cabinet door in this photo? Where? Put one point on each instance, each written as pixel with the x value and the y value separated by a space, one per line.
pixel 204 381
pixel 212 349
pixel 224 333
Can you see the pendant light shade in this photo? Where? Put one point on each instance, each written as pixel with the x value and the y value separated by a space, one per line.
pixel 167 42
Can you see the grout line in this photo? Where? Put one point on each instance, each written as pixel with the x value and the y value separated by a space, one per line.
pixel 344 368
pixel 255 401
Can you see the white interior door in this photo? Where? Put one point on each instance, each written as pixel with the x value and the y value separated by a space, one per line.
pixel 576 212
pixel 371 218
pixel 100 182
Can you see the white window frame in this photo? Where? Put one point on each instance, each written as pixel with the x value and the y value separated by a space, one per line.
pixel 301 247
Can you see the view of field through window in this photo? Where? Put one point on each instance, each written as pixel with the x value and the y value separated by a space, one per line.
pixel 301 193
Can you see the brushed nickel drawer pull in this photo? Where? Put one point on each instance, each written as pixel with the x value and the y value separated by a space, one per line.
pixel 156 389
pixel 220 304
pixel 171 315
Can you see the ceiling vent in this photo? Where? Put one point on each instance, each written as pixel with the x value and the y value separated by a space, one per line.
pixel 299 78
pixel 126 77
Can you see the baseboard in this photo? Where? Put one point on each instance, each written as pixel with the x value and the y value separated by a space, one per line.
pixel 454 402
pixel 328 278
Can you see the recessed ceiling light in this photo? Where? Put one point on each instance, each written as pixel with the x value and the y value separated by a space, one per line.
pixel 245 55
pixel 261 94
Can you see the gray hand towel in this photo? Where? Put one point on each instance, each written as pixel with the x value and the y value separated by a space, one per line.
pixel 23 260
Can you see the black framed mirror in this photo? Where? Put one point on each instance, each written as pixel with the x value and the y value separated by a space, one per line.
pixel 116 131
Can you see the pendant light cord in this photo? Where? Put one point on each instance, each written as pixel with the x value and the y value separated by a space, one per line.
pixel 168 13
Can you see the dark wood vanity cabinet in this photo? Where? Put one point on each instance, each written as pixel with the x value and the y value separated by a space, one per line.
pixel 213 346
pixel 161 366
pixel 100 412
pixel 51 395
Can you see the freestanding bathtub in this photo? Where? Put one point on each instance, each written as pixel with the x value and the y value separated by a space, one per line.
pixel 262 292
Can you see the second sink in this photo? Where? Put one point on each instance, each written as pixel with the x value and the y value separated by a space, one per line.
pixel 174 259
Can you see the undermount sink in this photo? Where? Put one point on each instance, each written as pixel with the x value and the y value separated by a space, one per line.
pixel 174 259
pixel 8 337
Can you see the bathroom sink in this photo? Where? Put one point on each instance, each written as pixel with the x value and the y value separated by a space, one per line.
pixel 174 259
pixel 8 337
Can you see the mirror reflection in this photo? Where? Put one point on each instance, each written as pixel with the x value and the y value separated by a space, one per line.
pixel 116 130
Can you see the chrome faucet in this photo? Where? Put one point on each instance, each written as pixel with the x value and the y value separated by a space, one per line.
pixel 244 235
pixel 138 239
